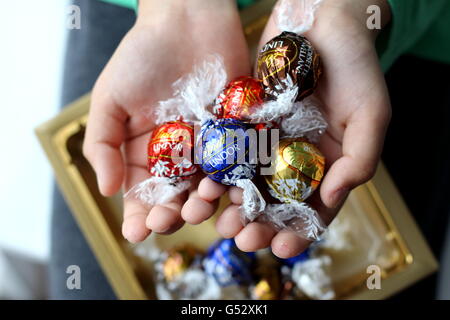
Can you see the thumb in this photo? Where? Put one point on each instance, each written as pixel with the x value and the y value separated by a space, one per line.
pixel 105 134
pixel 361 149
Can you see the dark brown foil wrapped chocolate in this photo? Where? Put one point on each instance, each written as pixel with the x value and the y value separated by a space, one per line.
pixel 289 58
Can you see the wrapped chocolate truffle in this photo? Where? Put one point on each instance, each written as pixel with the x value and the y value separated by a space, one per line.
pixel 313 277
pixel 309 272
pixel 178 274
pixel 297 171
pixel 289 60
pixel 170 164
pixel 228 265
pixel 224 153
pixel 170 148
pixel 267 278
pixel 239 98
pixel 289 69
pixel 178 260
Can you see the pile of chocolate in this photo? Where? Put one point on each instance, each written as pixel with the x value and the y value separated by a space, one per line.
pixel 225 272
pixel 231 129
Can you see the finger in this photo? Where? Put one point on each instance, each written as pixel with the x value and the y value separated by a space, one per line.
pixel 286 244
pixel 255 236
pixel 135 150
pixel 105 134
pixel 235 195
pixel 361 148
pixel 166 218
pixel 196 210
pixel 270 31
pixel 229 224
pixel 210 190
pixel 135 213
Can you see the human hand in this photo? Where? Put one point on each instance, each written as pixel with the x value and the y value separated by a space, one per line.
pixel 356 105
pixel 169 37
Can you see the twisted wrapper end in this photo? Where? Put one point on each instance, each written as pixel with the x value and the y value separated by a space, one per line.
pixel 296 15
pixel 275 109
pixel 253 203
pixel 297 217
pixel 157 190
pixel 306 120
pixel 194 92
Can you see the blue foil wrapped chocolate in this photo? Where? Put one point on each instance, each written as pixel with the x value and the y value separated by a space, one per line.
pixel 226 151
pixel 227 264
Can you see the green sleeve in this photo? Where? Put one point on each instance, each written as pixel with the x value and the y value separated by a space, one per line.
pixel 132 4
pixel 410 21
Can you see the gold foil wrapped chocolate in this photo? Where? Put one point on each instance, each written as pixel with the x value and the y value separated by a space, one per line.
pixel 286 60
pixel 178 260
pixel 268 284
pixel 298 169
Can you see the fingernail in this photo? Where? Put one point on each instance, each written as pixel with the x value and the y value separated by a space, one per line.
pixel 338 197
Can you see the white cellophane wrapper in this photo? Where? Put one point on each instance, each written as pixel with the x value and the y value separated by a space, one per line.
pixel 194 283
pixel 306 120
pixel 295 216
pixel 296 15
pixel 296 119
pixel 313 277
pixel 253 203
pixel 192 94
pixel 157 190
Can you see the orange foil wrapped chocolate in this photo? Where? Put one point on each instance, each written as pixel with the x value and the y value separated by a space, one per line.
pixel 238 98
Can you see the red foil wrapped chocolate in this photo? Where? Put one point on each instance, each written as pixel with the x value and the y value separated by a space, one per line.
pixel 238 97
pixel 170 150
pixel 266 125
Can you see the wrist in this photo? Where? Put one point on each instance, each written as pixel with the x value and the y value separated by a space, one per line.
pixel 351 16
pixel 173 11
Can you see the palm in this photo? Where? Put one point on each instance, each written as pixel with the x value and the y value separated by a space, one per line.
pixel 139 75
pixel 355 103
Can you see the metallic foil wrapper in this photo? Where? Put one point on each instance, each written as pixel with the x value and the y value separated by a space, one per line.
pixel 286 60
pixel 268 284
pixel 178 261
pixel 170 150
pixel 228 265
pixel 299 168
pixel 223 151
pixel 238 98
pixel 266 125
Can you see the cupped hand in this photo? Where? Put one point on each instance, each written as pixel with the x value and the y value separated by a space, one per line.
pixel 356 105
pixel 168 38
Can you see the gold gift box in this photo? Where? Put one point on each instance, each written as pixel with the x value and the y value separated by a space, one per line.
pixel 382 231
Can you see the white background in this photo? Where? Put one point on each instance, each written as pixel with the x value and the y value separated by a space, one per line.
pixel 33 36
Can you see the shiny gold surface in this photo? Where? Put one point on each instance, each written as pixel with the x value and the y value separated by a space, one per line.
pixel 299 168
